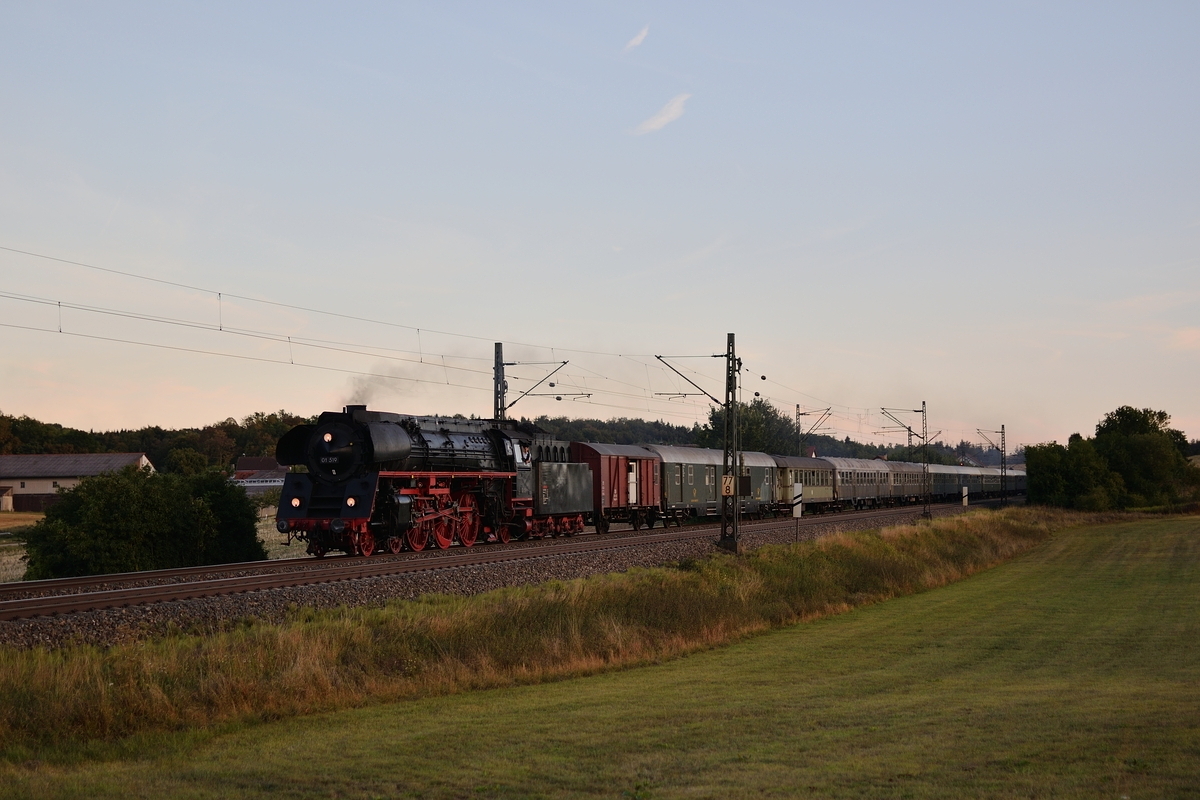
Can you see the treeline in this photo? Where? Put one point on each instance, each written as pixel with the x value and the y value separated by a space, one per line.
pixel 1135 460
pixel 617 431
pixel 183 450
pixel 764 428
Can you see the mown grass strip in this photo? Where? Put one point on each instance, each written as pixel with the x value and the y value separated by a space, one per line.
pixel 350 657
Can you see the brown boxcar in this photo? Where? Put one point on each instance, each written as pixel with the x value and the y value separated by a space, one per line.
pixel 625 483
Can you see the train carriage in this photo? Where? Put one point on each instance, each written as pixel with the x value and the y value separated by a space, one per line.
pixel 814 474
pixel 861 482
pixel 762 470
pixel 689 484
pixel 625 483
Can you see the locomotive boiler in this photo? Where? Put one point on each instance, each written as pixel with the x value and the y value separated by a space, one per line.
pixel 374 480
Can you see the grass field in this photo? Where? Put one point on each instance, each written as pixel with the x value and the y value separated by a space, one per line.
pixel 12 568
pixel 1072 671
pixel 274 542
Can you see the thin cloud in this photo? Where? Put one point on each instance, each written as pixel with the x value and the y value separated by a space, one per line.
pixel 672 111
pixel 635 41
pixel 1186 339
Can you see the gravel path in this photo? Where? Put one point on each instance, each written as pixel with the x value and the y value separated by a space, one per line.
pixel 120 625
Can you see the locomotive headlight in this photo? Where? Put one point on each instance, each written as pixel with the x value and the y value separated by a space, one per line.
pixel 295 502
pixel 338 525
pixel 328 438
pixel 283 526
pixel 350 501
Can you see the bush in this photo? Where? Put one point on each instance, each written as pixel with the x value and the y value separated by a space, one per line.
pixel 137 520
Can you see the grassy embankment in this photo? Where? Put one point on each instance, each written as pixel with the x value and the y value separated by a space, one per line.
pixel 349 657
pixel 1072 672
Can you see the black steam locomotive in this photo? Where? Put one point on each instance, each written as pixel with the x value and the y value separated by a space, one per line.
pixel 379 481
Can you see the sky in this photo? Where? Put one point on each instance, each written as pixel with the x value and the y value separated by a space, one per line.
pixel 212 209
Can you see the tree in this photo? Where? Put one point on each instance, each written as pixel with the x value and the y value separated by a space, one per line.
pixel 615 431
pixel 1130 421
pixel 136 520
pixel 1046 474
pixel 1135 460
pixel 761 428
pixel 1090 484
pixel 185 461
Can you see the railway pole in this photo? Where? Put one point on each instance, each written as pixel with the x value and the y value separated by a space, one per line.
pixel 926 514
pixel 926 483
pixel 499 385
pixel 1003 460
pixel 1003 469
pixel 730 537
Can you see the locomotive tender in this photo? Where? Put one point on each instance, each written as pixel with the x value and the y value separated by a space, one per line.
pixel 381 481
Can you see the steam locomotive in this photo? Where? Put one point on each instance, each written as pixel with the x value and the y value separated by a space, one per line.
pixel 378 481
pixel 381 481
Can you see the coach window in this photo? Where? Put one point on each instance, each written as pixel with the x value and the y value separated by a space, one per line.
pixel 691 474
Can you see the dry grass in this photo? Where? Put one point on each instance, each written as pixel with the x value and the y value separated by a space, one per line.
pixel 274 542
pixel 11 520
pixel 12 565
pixel 349 657
pixel 12 550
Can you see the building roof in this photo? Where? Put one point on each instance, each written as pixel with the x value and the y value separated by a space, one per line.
pixel 246 463
pixel 67 465
pixel 258 475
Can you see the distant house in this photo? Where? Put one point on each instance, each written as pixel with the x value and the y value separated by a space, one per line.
pixel 257 475
pixel 34 480
pixel 1195 460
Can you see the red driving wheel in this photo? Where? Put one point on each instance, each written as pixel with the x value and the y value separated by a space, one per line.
pixel 468 526
pixel 443 536
pixel 418 537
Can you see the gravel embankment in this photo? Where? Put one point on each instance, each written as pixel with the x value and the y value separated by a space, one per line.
pixel 118 625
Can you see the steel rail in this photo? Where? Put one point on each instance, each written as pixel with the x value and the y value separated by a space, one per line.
pixel 48 585
pixel 355 568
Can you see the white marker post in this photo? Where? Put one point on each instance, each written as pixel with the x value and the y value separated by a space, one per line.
pixel 964 496
pixel 797 506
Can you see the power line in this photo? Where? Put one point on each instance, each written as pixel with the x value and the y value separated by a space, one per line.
pixel 218 294
pixel 260 359
pixel 644 395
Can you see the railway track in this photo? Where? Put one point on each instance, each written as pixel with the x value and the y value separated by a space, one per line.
pixel 67 595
